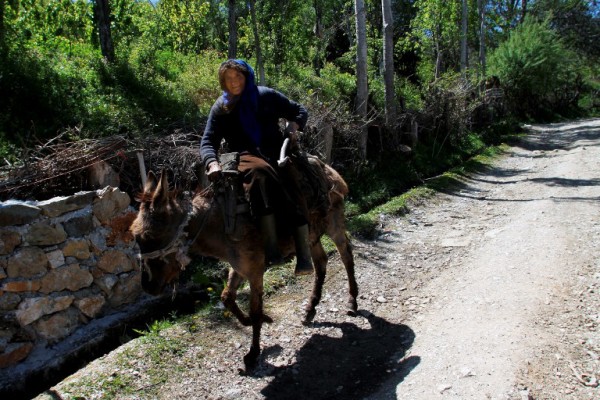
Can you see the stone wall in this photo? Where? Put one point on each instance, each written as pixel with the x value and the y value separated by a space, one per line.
pixel 63 263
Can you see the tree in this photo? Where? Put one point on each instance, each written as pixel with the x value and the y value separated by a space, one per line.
pixel 436 34
pixel 463 39
pixel 232 48
pixel 576 21
pixel 362 89
pixel 505 15
pixel 317 59
pixel 388 63
pixel 535 68
pixel 259 58
pixel 523 10
pixel 2 23
pixel 184 25
pixel 102 17
pixel 481 8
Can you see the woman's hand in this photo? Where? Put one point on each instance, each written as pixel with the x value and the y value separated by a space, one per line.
pixel 214 171
pixel 291 127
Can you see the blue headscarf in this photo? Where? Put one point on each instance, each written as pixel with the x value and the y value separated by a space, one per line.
pixel 247 104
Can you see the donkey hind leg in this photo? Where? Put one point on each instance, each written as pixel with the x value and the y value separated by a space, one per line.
pixel 344 247
pixel 257 317
pixel 320 261
pixel 229 295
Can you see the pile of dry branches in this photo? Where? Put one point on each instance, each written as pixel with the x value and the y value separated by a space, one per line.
pixel 61 167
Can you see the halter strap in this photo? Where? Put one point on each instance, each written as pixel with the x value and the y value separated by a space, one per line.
pixel 178 243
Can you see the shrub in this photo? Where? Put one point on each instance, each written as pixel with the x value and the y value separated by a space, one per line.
pixel 534 67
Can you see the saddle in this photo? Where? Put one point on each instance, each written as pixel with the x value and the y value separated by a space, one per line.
pixel 232 199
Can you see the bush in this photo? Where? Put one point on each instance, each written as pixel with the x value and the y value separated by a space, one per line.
pixel 534 68
pixel 333 86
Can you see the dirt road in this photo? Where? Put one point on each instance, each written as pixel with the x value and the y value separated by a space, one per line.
pixel 490 291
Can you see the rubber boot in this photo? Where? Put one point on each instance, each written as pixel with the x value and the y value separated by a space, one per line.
pixel 304 264
pixel 269 232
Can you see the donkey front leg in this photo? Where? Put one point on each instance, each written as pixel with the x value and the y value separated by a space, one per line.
pixel 257 317
pixel 229 295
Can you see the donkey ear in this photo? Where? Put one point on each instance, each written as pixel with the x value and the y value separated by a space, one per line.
pixel 161 193
pixel 150 183
pixel 149 187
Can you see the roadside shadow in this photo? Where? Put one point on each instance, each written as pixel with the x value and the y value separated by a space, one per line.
pixel 566 182
pixel 561 136
pixel 346 367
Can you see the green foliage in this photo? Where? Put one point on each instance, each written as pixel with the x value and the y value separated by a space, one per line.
pixel 38 85
pixel 430 160
pixel 576 21
pixel 367 224
pixel 183 23
pixel 533 66
pixel 159 343
pixel 198 80
pixel 374 183
pixel 435 36
pixel 589 102
pixel 331 87
pixel 53 23
pixel 145 90
pixel 410 93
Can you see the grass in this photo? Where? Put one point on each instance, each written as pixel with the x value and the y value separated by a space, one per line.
pixel 143 365
pixel 366 224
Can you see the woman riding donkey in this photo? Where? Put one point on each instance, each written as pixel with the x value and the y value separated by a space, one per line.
pixel 247 117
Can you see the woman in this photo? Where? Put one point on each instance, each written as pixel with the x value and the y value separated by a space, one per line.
pixel 247 117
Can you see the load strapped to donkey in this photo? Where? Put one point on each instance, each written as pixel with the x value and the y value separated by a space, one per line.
pixel 218 222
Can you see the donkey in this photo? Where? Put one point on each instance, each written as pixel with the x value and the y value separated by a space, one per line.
pixel 168 227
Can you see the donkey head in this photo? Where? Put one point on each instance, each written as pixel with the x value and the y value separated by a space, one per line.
pixel 157 229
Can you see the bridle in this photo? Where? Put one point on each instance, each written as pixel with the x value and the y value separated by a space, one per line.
pixel 179 244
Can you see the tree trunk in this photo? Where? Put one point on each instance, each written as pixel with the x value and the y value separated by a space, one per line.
pixel 523 10
pixel 438 59
pixel 102 15
pixel 232 44
pixel 361 73
pixel 259 59
pixel 318 58
pixel 2 22
pixel 481 5
pixel 463 40
pixel 388 63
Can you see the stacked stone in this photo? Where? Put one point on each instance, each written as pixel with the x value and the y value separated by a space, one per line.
pixel 63 262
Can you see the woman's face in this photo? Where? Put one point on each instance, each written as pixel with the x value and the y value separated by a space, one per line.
pixel 235 82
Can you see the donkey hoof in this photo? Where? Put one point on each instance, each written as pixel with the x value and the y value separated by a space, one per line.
pixel 309 316
pixel 352 306
pixel 267 319
pixel 250 359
